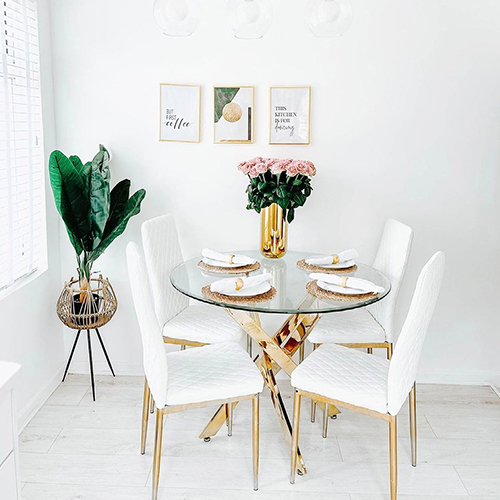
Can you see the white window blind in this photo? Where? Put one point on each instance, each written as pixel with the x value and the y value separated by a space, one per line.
pixel 22 201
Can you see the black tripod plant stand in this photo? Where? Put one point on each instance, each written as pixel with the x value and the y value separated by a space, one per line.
pixel 90 357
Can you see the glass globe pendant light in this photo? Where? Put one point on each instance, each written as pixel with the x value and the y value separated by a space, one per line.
pixel 249 19
pixel 329 18
pixel 177 17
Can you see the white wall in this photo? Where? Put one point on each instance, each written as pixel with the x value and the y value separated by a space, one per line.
pixel 31 333
pixel 405 124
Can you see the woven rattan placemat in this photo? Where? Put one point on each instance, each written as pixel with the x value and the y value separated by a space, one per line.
pixel 302 264
pixel 313 288
pixel 229 270
pixel 227 299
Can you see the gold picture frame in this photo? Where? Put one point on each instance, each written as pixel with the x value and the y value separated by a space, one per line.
pixel 304 137
pixel 162 130
pixel 225 117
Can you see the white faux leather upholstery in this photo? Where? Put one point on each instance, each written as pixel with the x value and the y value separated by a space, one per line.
pixel 205 324
pixel 154 353
pixel 345 374
pixel 391 260
pixel 366 380
pixel 348 327
pixel 163 253
pixel 404 362
pixel 217 371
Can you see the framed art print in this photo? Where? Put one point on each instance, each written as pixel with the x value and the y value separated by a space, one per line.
pixel 290 115
pixel 233 115
pixel 180 112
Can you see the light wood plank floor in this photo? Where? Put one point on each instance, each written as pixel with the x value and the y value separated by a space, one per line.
pixel 76 449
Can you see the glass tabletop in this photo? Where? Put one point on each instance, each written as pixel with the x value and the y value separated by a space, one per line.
pixel 289 281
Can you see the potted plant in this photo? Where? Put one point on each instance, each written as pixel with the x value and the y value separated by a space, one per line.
pixel 276 189
pixel 95 216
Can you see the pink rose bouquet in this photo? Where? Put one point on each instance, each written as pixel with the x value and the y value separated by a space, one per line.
pixel 273 180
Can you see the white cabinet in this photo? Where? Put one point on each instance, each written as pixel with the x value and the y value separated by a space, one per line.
pixel 10 485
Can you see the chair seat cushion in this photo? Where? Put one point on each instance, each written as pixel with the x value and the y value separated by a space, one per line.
pixel 347 327
pixel 205 324
pixel 212 372
pixel 346 375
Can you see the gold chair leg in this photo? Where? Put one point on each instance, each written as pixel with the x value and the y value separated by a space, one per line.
pixel 157 452
pixel 413 424
pixel 229 409
pixel 255 441
pixel 145 416
pixel 325 420
pixel 313 411
pixel 302 350
pixel 393 447
pixel 151 405
pixel 389 350
pixel 369 350
pixel 295 436
pixel 313 403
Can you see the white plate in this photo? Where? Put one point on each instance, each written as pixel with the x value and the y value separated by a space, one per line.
pixel 340 265
pixel 216 263
pixel 250 291
pixel 329 287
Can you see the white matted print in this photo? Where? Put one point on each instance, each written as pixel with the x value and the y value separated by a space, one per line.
pixel 180 112
pixel 290 115
pixel 233 115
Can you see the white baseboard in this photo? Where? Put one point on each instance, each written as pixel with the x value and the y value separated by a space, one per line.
pixel 37 401
pixel 102 368
pixel 495 389
pixel 427 377
pixel 473 377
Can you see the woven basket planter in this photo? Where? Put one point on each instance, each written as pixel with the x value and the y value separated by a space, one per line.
pixel 98 306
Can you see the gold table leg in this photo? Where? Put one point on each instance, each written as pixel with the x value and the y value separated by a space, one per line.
pixel 277 355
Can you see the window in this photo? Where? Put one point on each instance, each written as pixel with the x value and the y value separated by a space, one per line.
pixel 22 199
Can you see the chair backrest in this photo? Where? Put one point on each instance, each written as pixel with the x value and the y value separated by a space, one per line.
pixel 404 362
pixel 163 252
pixel 154 353
pixel 391 261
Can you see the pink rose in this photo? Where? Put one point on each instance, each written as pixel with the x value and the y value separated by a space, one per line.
pixel 292 169
pixel 254 161
pixel 261 167
pixel 302 167
pixel 244 167
pixel 253 172
pixel 277 167
pixel 269 162
pixel 311 169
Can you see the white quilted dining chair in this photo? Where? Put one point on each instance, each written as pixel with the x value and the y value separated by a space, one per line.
pixel 221 373
pixel 370 327
pixel 368 384
pixel 182 324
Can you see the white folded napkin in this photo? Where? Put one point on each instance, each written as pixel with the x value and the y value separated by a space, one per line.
pixel 345 282
pixel 325 260
pixel 230 285
pixel 227 258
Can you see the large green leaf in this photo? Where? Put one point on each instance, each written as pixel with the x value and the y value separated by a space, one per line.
pixel 119 197
pixel 83 169
pixel 99 196
pixel 132 207
pixel 63 179
pixel 222 96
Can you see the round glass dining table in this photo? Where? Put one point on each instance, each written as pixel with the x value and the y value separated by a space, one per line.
pixel 292 298
pixel 289 281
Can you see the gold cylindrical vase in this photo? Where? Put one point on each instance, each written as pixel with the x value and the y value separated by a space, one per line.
pixel 273 232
